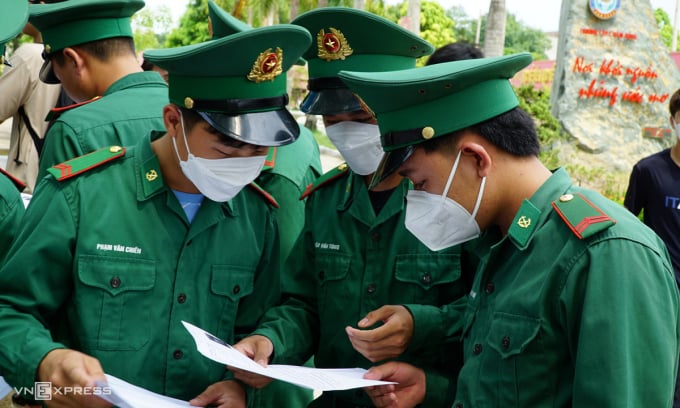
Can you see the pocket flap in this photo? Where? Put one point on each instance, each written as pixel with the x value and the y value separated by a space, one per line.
pixel 232 281
pixel 330 267
pixel 427 270
pixel 511 334
pixel 116 275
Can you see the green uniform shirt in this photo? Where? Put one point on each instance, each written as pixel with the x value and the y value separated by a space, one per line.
pixel 288 170
pixel 130 108
pixel 349 262
pixel 11 212
pixel 108 262
pixel 558 321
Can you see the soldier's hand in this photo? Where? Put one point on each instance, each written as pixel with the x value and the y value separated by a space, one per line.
pixel 69 368
pixel 409 392
pixel 224 394
pixel 386 341
pixel 259 349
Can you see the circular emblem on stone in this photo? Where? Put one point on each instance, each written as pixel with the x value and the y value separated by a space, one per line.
pixel 604 9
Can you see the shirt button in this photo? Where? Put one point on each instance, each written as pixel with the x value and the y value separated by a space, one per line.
pixel 370 288
pixel 477 349
pixel 236 289
pixel 375 236
pixel 505 343
pixel 177 354
pixel 115 282
pixel 490 287
pixel 182 298
pixel 426 278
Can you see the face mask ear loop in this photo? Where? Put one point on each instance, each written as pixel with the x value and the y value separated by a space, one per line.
pixel 184 136
pixel 479 197
pixel 453 171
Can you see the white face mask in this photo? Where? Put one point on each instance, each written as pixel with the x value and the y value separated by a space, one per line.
pixel 359 144
pixel 219 179
pixel 438 221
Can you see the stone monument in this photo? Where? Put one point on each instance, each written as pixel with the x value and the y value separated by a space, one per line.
pixel 613 80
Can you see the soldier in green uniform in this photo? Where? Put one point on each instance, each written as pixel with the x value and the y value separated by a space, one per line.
pixel 120 245
pixel 89 49
pixel 573 303
pixel 13 17
pixel 355 261
pixel 288 169
pixel 286 172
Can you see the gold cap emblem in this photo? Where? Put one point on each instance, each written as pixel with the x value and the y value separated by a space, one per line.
pixel 115 149
pixel 267 66
pixel 332 46
pixel 427 132
pixel 188 103
pixel 151 175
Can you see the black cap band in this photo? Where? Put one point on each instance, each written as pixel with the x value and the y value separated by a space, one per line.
pixel 317 84
pixel 237 106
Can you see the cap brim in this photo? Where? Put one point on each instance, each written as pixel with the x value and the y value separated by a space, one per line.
pixel 330 102
pixel 47 73
pixel 270 128
pixel 389 164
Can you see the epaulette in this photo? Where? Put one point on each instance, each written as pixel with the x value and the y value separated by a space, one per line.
pixel 325 179
pixel 581 216
pixel 81 164
pixel 54 113
pixel 20 185
pixel 264 194
pixel 270 161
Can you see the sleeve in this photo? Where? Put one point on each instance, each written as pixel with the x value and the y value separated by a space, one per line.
pixel 11 213
pixel 35 281
pixel 620 306
pixel 61 144
pixel 15 87
pixel 293 326
pixel 634 200
pixel 440 389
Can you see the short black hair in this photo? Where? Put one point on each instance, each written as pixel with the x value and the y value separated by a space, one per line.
pixel 455 52
pixel 513 131
pixel 674 103
pixel 102 50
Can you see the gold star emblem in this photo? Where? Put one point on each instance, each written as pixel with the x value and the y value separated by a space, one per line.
pixel 151 175
pixel 524 221
pixel 267 66
pixel 332 46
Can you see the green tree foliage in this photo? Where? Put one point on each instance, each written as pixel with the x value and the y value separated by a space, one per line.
pixel 521 38
pixel 665 27
pixel 435 26
pixel 193 26
pixel 150 27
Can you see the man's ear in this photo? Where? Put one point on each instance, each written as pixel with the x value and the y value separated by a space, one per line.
pixel 171 119
pixel 74 59
pixel 481 155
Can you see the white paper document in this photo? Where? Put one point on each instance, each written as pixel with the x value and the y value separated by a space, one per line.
pixel 126 395
pixel 320 379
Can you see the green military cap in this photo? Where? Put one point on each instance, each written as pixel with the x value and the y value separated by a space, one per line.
pixel 74 22
pixel 352 40
pixel 223 24
pixel 238 83
pixel 415 105
pixel 13 16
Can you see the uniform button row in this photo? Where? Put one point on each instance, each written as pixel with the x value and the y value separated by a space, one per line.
pixel 477 349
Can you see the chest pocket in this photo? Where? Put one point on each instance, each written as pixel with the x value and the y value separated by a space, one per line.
pixel 423 275
pixel 113 299
pixel 516 357
pixel 333 291
pixel 229 284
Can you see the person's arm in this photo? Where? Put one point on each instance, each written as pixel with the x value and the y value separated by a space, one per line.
pixel 635 197
pixel 620 307
pixel 35 282
pixel 15 86
pixel 11 213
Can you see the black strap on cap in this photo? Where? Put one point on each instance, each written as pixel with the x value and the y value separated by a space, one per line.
pixel 236 106
pixel 316 84
pixel 404 137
